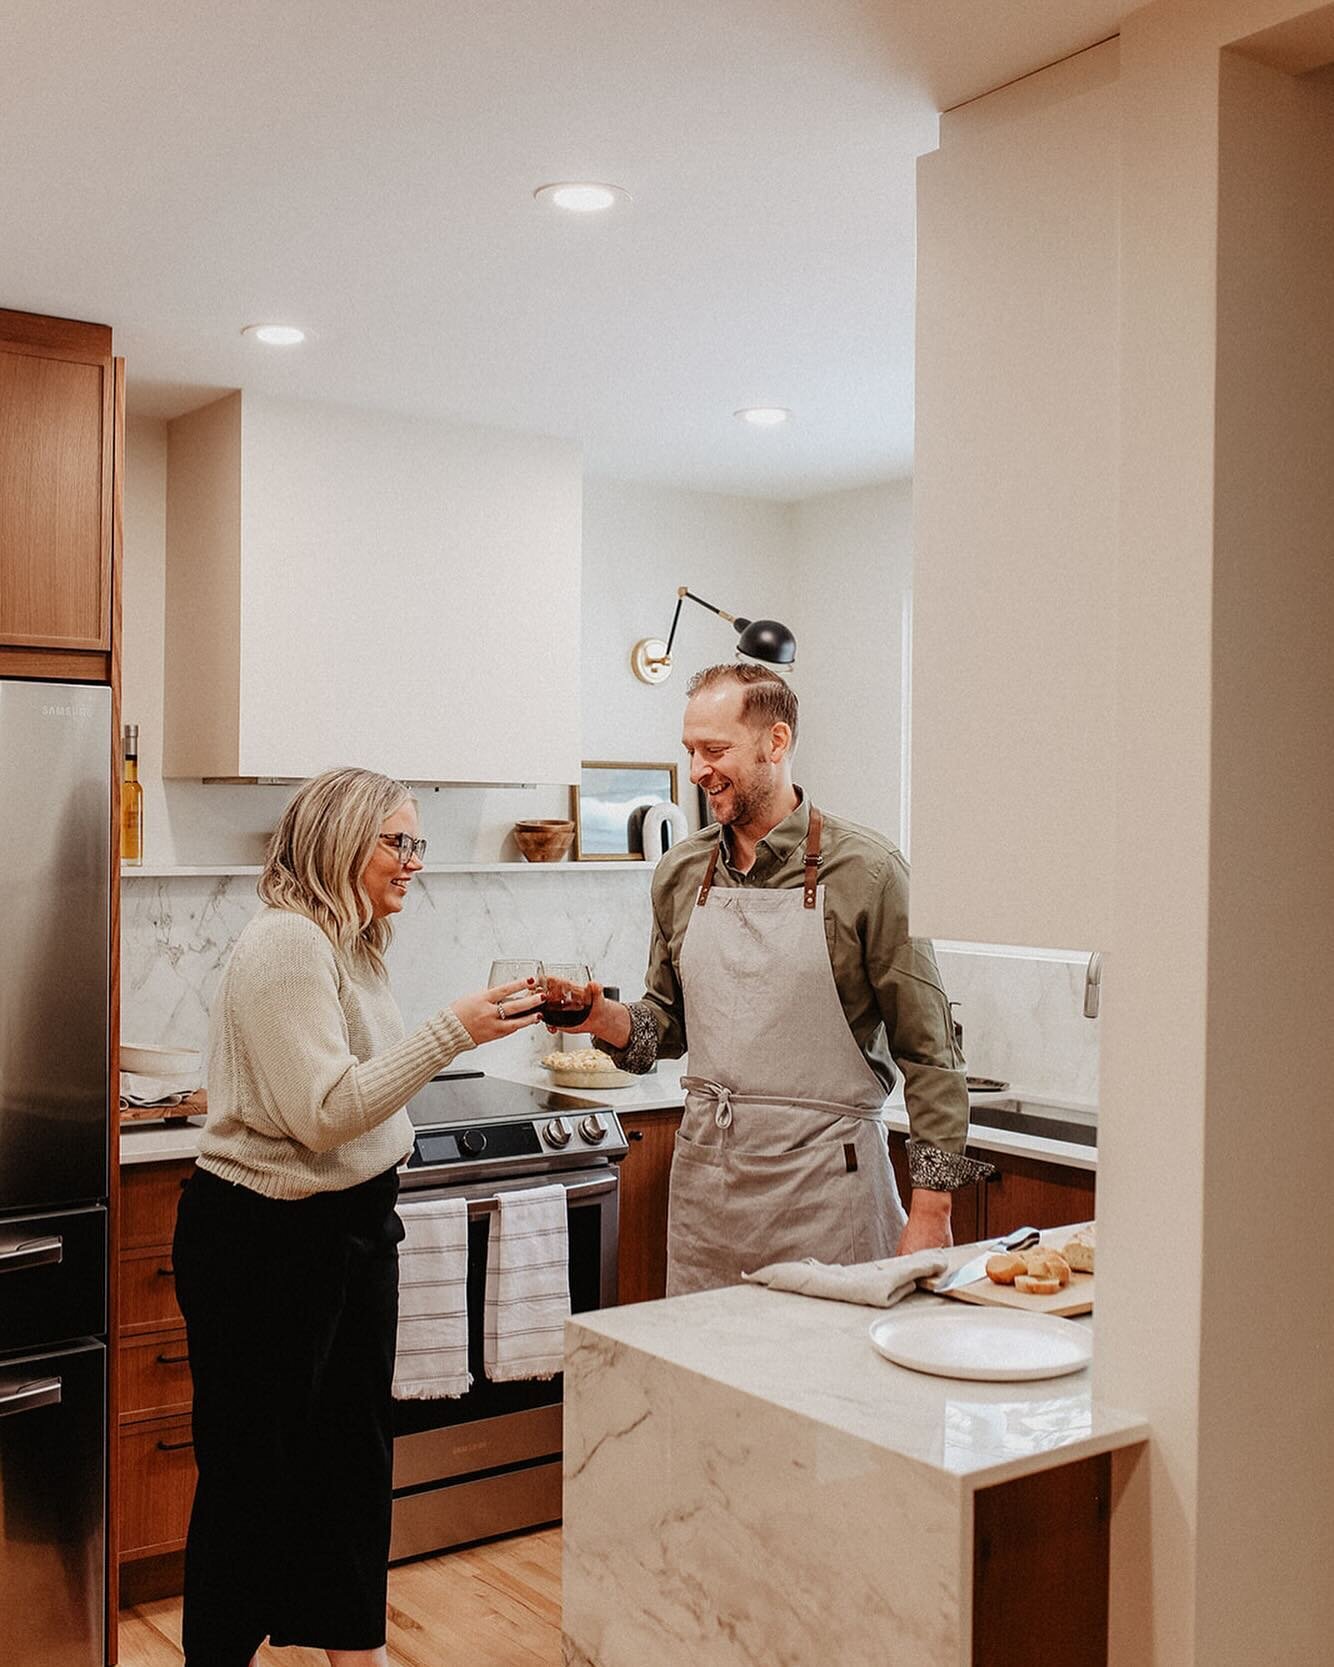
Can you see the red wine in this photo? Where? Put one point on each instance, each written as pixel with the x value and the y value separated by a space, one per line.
pixel 564 1013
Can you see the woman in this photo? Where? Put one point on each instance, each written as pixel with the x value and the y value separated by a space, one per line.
pixel 286 1238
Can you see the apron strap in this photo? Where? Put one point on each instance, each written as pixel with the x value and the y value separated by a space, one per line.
pixel 813 859
pixel 709 872
pixel 812 864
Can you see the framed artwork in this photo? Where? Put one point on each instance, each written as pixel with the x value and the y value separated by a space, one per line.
pixel 609 805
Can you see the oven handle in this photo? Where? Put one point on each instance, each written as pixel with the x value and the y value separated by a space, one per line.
pixel 576 1192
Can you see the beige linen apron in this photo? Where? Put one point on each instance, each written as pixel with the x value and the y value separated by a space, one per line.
pixel 782 1151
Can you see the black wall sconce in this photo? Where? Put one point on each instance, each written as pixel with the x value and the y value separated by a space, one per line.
pixel 757 639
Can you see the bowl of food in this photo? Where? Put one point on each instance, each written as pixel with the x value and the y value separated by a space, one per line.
pixel 585 1068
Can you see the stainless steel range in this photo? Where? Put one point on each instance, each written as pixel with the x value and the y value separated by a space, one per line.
pixel 489 1462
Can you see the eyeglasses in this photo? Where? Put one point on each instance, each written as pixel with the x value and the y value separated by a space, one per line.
pixel 406 846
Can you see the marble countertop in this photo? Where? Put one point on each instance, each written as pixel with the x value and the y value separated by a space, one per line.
pixel 660 1090
pixel 814 1358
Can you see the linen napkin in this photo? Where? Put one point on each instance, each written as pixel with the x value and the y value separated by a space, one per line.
pixel 873 1284
pixel 151 1091
pixel 527 1285
pixel 431 1361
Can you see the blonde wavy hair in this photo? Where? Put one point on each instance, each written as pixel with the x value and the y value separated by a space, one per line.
pixel 318 852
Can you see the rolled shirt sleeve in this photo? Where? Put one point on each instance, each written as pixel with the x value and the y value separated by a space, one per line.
pixel 657 1020
pixel 920 1034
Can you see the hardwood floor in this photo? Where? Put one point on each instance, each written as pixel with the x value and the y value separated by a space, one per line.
pixel 494 1605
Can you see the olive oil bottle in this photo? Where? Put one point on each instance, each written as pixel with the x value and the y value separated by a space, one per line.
pixel 131 802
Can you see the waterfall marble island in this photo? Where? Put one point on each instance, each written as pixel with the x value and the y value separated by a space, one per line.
pixel 748 1484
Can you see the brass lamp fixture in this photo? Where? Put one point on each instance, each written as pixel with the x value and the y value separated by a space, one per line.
pixel 757 639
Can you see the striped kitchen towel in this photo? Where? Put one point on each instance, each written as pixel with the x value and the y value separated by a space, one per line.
pixel 527 1285
pixel 432 1357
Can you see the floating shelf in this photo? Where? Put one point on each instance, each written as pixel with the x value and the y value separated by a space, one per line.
pixel 161 871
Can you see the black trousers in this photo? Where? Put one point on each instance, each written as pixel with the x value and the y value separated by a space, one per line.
pixel 291 1310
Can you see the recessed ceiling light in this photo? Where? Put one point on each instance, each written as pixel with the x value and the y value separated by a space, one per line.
pixel 275 335
pixel 764 416
pixel 581 196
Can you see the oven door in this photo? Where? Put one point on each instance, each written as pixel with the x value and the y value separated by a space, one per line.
pixel 489 1462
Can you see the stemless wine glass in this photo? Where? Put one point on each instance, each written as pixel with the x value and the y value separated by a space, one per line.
pixel 567 998
pixel 511 972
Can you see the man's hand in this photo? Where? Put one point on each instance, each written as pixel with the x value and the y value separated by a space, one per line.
pixel 609 1021
pixel 928 1225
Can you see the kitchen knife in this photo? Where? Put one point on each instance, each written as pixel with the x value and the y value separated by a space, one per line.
pixel 976 1266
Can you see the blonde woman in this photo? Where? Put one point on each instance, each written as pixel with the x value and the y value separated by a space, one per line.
pixel 286 1237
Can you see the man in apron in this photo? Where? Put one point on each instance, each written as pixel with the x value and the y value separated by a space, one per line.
pixel 781 959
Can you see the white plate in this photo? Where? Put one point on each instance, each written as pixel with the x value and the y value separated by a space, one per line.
pixel 994 1344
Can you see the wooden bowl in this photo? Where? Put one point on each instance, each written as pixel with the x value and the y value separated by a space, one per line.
pixel 544 841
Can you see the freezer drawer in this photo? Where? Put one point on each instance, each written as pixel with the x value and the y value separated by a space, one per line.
pixel 52 1488
pixel 53 1278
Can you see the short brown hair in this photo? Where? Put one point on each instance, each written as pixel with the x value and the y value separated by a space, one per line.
pixel 767 698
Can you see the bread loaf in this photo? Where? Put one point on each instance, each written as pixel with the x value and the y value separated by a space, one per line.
pixel 1001 1270
pixel 1078 1250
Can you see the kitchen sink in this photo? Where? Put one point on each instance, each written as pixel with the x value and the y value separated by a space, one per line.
pixel 1048 1122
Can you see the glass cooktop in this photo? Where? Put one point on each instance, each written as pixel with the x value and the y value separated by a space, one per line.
pixel 472 1097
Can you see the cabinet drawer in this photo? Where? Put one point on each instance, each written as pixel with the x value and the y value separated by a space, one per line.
pixel 154 1376
pixel 157 1487
pixel 149 1194
pixel 148 1292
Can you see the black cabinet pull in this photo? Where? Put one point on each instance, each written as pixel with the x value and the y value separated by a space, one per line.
pixel 634 1134
pixel 166 1273
pixel 185 1183
pixel 173 1446
pixel 172 1359
pixel 996 1175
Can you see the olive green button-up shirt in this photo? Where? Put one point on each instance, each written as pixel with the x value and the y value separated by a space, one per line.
pixel 888 982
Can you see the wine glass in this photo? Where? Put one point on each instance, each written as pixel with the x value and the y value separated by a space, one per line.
pixel 511 972
pixel 567 996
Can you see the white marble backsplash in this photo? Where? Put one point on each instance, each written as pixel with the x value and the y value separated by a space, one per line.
pixel 1022 1015
pixel 177 933
pixel 1023 1019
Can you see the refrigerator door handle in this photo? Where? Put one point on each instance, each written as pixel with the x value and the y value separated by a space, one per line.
pixel 16 1253
pixel 27 1397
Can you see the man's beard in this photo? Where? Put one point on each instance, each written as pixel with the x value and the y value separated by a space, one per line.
pixel 750 803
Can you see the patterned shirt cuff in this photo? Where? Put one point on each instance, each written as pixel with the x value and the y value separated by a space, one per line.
pixel 937 1171
pixel 642 1048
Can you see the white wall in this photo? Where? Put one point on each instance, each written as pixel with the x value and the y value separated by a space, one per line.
pixel 852 581
pixel 640 544
pixel 1215 1127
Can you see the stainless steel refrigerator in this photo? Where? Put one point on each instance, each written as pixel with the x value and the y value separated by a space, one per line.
pixel 55 922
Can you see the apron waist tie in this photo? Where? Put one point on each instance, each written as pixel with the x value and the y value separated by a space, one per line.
pixel 724 1098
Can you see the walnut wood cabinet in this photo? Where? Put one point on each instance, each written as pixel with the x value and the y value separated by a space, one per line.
pixel 157 1469
pixel 644 1180
pixel 1021 1192
pixel 58 415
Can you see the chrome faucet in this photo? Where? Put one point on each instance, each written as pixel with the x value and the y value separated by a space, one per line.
pixel 1093 985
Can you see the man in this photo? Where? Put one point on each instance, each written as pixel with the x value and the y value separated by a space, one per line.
pixel 781 959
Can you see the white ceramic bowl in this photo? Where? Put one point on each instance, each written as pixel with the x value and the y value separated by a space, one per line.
pixel 143 1061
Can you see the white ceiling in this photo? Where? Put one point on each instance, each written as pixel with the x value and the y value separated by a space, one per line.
pixel 179 169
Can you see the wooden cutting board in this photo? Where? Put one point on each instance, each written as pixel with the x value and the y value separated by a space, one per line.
pixel 1077 1298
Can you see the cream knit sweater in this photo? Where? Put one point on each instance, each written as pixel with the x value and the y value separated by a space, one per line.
pixel 308 1067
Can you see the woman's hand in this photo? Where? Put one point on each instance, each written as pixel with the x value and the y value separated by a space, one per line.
pixel 483 1018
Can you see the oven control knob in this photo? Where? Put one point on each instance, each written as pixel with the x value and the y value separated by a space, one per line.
pixel 472 1143
pixel 557 1132
pixel 593 1128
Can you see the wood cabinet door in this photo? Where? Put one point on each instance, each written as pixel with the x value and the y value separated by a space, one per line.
pixel 645 1177
pixel 1024 1193
pixel 56 431
pixel 157 1467
pixel 149 1194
